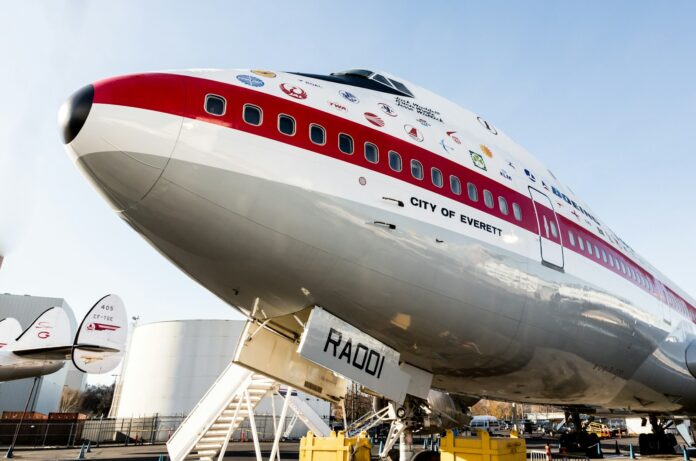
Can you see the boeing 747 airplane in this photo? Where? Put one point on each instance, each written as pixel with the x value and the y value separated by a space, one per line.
pixel 390 236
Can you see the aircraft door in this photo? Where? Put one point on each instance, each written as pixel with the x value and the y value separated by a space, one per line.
pixel 550 241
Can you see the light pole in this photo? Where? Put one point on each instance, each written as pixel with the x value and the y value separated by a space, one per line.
pixel 10 451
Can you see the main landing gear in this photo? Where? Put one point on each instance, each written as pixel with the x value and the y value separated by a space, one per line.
pixel 579 440
pixel 659 442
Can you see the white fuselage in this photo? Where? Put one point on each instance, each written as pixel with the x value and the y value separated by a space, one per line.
pixel 14 367
pixel 497 296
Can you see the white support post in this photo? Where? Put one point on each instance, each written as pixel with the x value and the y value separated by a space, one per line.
pixel 345 418
pixel 252 423
pixel 396 430
pixel 279 430
pixel 402 447
pixel 275 423
pixel 230 431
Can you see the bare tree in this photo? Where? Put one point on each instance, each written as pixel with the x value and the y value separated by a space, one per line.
pixel 96 400
pixel 70 400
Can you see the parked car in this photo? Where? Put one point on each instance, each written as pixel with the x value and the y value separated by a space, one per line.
pixel 486 423
pixel 602 430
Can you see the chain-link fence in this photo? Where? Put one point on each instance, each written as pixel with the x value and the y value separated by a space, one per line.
pixel 124 431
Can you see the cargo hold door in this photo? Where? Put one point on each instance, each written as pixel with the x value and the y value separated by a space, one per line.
pixel 550 243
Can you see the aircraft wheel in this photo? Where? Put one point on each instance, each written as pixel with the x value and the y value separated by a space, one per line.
pixel 426 455
pixel 590 445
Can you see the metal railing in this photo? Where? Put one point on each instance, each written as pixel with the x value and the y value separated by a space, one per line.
pixel 540 455
pixel 120 431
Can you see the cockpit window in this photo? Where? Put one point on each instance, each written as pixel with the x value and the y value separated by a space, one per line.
pixel 364 78
pixel 401 87
pixel 381 79
pixel 355 73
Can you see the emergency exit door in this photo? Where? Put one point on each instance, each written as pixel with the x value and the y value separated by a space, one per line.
pixel 550 242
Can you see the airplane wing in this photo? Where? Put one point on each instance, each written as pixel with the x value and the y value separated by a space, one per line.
pixel 100 341
pixel 9 330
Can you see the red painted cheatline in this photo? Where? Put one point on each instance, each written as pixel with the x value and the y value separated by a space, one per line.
pixel 183 95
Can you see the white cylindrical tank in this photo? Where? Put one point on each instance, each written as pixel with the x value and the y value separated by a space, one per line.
pixel 170 365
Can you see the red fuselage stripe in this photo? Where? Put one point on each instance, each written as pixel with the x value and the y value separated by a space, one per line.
pixel 165 93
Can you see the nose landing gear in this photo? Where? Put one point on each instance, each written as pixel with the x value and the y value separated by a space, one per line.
pixel 659 442
pixel 579 440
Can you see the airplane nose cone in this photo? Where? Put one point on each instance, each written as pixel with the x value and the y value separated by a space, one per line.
pixel 121 132
pixel 73 113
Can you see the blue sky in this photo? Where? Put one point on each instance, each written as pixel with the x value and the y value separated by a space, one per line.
pixel 601 92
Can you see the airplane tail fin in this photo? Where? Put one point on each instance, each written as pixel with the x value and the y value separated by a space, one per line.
pixel 9 330
pixel 51 329
pixel 101 339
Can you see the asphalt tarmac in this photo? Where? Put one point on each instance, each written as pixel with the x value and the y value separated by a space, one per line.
pixel 244 451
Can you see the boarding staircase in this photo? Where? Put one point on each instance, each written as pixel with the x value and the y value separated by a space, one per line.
pixel 206 431
pixel 308 416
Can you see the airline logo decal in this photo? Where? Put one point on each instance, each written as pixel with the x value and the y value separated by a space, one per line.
pixel 413 132
pixel 530 175
pixel 487 152
pixel 448 149
pixel 387 109
pixel 102 327
pixel 478 160
pixel 418 109
pixel 293 91
pixel 43 327
pixel 349 96
pixel 454 137
pixel 374 119
pixel 487 125
pixel 250 80
pixel 264 73
pixel 337 106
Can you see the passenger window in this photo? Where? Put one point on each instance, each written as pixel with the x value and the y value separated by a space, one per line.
pixel 604 256
pixel 589 248
pixel 571 238
pixel 317 134
pixel 436 176
pixel 517 211
pixel 455 185
pixel 488 198
pixel 416 169
pixel 371 153
pixel 215 105
pixel 394 161
pixel 286 124
pixel 582 243
pixel 611 260
pixel 623 267
pixel 472 191
pixel 503 206
pixel 252 115
pixel 345 144
pixel 596 252
pixel 554 229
